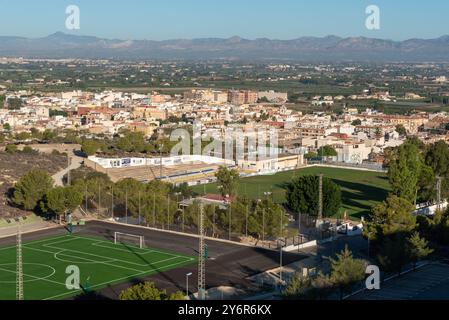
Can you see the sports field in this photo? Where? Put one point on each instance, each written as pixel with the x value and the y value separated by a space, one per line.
pixel 101 263
pixel 360 189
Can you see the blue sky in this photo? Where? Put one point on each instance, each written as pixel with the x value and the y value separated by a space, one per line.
pixel 276 19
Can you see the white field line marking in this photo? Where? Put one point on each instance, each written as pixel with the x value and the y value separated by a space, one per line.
pixel 185 259
pixel 33 242
pixel 38 278
pixel 123 278
pixel 50 245
pixel 147 251
pixel 151 250
pixel 58 242
pixel 94 261
pixel 61 253
pixel 110 259
pixel 103 257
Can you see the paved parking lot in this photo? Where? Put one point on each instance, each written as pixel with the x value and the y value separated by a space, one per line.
pixel 430 282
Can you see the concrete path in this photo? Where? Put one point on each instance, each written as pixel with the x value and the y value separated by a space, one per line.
pixel 75 163
pixel 26 228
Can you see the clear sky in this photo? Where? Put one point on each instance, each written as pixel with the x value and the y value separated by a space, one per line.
pixel 275 19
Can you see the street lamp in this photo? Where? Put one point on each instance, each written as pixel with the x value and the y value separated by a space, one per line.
pixel 280 261
pixel 280 253
pixel 369 236
pixel 187 283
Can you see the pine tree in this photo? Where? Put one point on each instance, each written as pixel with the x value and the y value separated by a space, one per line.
pixel 346 271
pixel 418 248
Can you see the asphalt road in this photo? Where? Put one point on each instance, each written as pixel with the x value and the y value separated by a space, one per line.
pixel 229 264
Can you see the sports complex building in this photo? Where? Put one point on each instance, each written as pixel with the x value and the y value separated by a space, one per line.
pixel 190 169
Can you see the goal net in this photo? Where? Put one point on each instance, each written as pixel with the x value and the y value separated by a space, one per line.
pixel 127 238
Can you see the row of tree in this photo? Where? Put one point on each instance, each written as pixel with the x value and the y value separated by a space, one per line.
pixel 414 169
pixel 35 191
pixel 156 203
pixel 398 236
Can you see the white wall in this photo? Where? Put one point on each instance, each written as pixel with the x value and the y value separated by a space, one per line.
pixel 166 161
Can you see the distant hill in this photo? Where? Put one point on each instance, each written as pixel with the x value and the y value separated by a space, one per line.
pixel 307 49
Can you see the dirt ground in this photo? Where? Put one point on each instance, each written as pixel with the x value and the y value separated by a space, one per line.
pixel 13 166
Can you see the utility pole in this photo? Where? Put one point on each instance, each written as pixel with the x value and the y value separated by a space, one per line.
pixel 280 252
pixel 139 208
pixel 201 257
pixel 183 217
pixel 263 224
pixel 154 210
pixel 230 219
pixel 320 200
pixel 68 168
pixel 85 195
pixel 19 269
pixel 126 206
pixel 213 221
pixel 99 198
pixel 112 201
pixel 160 167
pixel 168 211
pixel 439 179
pixel 246 222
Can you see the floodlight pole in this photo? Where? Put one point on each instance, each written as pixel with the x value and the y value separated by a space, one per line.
pixel 19 267
pixel 201 257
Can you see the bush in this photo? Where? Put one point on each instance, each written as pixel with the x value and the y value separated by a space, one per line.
pixel 147 291
pixel 11 148
pixel 28 149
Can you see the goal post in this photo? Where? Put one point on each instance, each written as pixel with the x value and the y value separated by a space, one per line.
pixel 128 238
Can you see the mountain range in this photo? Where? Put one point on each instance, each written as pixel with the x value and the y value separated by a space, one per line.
pixel 307 49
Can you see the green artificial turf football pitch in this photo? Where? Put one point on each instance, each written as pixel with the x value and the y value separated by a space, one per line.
pixel 100 263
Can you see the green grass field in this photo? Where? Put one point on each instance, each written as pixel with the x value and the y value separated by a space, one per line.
pixel 101 263
pixel 360 189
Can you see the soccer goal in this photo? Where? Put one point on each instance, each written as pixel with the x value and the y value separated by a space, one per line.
pixel 127 238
